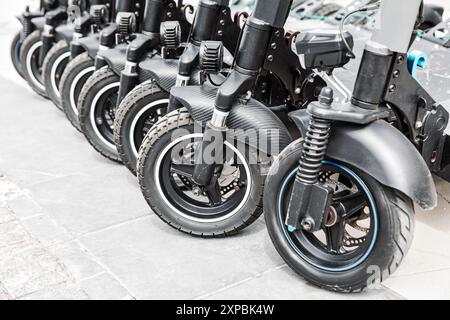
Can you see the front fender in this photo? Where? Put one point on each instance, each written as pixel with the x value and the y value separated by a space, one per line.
pixel 262 129
pixel 115 57
pixel 64 32
pixel 384 153
pixel 38 23
pixel 163 71
pixel 90 44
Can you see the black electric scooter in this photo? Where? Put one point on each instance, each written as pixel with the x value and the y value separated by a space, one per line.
pixel 148 102
pixel 98 99
pixel 36 46
pixel 59 55
pixel 224 196
pixel 339 202
pixel 31 21
pixel 84 55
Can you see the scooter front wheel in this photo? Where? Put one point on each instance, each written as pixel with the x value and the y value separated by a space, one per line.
pixel 77 72
pixel 97 111
pixel 29 59
pixel 54 64
pixel 165 168
pixel 16 44
pixel 141 109
pixel 366 235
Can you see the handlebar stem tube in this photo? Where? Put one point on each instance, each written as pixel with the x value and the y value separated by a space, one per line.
pixel 376 65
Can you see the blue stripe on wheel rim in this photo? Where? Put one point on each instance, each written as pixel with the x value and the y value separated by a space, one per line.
pixel 372 205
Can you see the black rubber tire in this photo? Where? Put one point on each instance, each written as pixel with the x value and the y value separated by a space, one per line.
pixel 396 229
pixel 15 53
pixel 34 80
pixel 59 54
pixel 327 10
pixel 99 80
pixel 83 65
pixel 155 141
pixel 129 109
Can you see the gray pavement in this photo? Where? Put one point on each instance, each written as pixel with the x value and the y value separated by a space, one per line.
pixel 75 226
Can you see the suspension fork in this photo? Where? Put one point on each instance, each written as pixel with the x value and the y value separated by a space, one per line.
pixel 310 200
pixel 251 56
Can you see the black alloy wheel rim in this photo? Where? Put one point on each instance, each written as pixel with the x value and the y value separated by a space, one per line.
pixel 177 186
pixel 345 244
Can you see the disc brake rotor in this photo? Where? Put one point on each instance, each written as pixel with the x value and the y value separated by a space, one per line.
pixel 326 177
pixel 229 180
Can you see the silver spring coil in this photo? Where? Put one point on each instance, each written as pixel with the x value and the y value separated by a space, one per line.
pixel 314 150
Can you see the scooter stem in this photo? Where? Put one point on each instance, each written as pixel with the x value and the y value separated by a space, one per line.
pixel 370 88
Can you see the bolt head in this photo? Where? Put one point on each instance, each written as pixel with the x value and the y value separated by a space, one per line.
pixel 270 58
pixel 196 191
pixel 308 224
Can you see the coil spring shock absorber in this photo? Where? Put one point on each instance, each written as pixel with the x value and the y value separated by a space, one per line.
pixel 310 200
pixel 27 25
pixel 314 150
pixel 315 142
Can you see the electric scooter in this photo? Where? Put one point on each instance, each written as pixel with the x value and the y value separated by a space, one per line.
pixel 35 47
pixel 59 55
pixel 223 196
pixel 31 21
pixel 339 203
pixel 98 99
pixel 84 54
pixel 214 34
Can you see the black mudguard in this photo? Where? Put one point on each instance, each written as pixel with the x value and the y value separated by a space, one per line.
pixel 384 153
pixel 163 71
pixel 65 32
pixel 38 23
pixel 263 129
pixel 115 57
pixel 90 44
